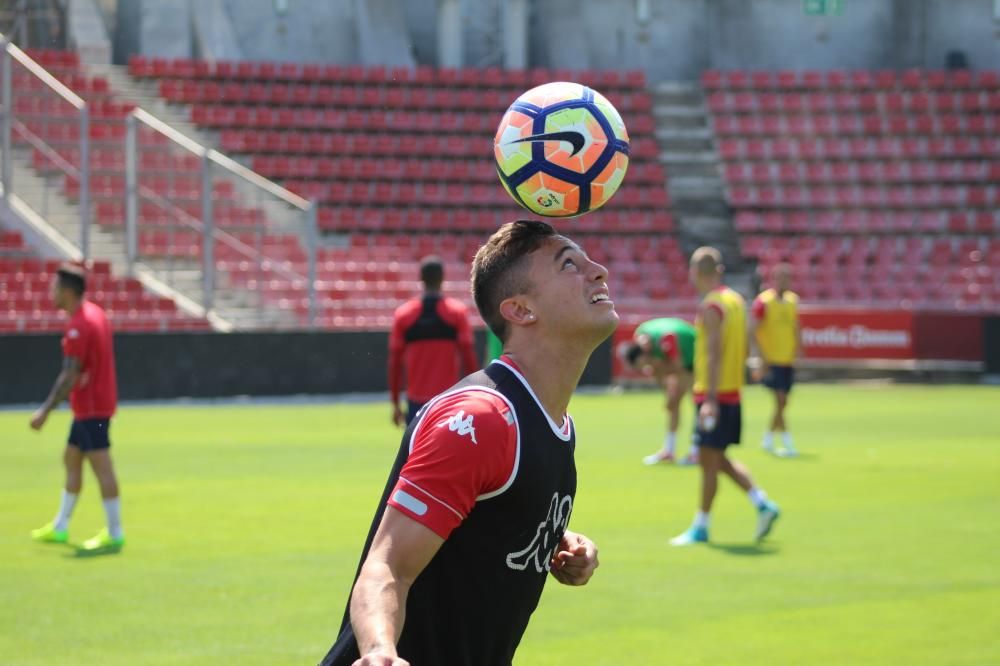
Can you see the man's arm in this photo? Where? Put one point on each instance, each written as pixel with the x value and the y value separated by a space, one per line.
pixel 402 548
pixel 798 338
pixel 712 321
pixel 60 390
pixel 397 344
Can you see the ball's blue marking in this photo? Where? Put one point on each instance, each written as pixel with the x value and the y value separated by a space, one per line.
pixel 539 164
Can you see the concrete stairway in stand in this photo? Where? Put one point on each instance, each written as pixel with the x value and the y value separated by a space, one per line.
pixel 697 190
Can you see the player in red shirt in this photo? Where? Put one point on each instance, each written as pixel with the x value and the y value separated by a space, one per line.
pixel 429 333
pixel 88 379
pixel 475 513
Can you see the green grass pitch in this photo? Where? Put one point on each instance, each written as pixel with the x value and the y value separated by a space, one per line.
pixel 244 524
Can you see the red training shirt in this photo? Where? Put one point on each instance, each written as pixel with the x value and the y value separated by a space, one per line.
pixel 429 333
pixel 88 339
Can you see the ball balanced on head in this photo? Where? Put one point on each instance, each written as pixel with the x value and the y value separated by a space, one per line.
pixel 561 150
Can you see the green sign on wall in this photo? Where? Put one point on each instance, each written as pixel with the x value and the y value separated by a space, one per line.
pixel 822 7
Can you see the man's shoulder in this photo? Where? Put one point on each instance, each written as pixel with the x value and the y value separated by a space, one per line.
pixel 454 305
pixel 407 308
pixel 470 409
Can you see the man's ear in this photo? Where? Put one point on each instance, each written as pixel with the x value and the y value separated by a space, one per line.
pixel 518 311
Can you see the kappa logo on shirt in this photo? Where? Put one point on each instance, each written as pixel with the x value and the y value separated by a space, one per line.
pixel 460 425
pixel 537 555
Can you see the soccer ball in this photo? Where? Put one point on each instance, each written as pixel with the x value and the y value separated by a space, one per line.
pixel 561 150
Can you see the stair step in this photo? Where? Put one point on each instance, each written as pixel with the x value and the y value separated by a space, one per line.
pixel 695 157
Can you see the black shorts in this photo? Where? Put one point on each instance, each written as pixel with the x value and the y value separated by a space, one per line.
pixel 726 431
pixel 90 434
pixel 780 378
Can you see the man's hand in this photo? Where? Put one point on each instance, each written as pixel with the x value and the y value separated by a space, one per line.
pixel 39 418
pixel 758 368
pixel 381 657
pixel 708 415
pixel 398 418
pixel 575 560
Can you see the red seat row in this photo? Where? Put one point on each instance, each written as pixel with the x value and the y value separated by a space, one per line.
pixel 822 102
pixel 81 84
pixel 52 58
pixel 850 80
pixel 359 219
pixel 403 145
pixel 481 171
pixel 432 193
pixel 440 122
pixel 100 109
pixel 872 124
pixel 171 186
pixel 860 148
pixel 842 222
pixel 489 77
pixel 111 212
pixel 190 92
pixel 889 172
pixel 864 197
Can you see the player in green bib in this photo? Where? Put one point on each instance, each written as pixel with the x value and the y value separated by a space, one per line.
pixel 664 348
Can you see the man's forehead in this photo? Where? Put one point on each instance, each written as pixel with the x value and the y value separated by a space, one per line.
pixel 555 244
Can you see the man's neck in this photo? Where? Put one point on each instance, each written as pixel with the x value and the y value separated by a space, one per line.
pixel 552 369
pixel 72 308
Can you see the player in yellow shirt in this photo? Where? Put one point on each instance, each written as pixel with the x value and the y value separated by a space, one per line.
pixel 719 364
pixel 776 344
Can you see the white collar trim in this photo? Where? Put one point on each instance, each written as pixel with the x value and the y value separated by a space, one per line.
pixel 563 432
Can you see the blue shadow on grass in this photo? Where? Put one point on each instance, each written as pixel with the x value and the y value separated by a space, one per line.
pixel 79 553
pixel 745 549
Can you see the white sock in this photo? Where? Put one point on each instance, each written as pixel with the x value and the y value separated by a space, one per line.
pixel 694 450
pixel 786 438
pixel 113 510
pixel 700 519
pixel 670 443
pixel 757 497
pixel 768 439
pixel 66 504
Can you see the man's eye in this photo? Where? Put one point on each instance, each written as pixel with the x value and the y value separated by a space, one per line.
pixel 569 262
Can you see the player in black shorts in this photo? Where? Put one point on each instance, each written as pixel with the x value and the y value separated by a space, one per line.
pixel 475 513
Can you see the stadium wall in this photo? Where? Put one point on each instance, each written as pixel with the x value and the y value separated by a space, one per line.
pixel 213 365
pixel 669 39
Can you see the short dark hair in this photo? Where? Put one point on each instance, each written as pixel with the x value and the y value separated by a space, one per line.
pixel 498 269
pixel 72 277
pixel 632 353
pixel 431 272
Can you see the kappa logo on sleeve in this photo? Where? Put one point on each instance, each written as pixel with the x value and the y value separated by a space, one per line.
pixel 461 424
pixel 72 333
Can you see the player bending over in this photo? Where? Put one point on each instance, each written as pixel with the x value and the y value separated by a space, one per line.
pixel 665 348
pixel 475 514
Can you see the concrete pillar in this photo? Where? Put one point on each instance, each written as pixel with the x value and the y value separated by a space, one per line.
pixel 515 34
pixel 450 33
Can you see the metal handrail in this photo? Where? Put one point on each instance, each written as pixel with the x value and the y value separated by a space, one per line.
pixel 222 160
pixel 206 227
pixel 58 86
